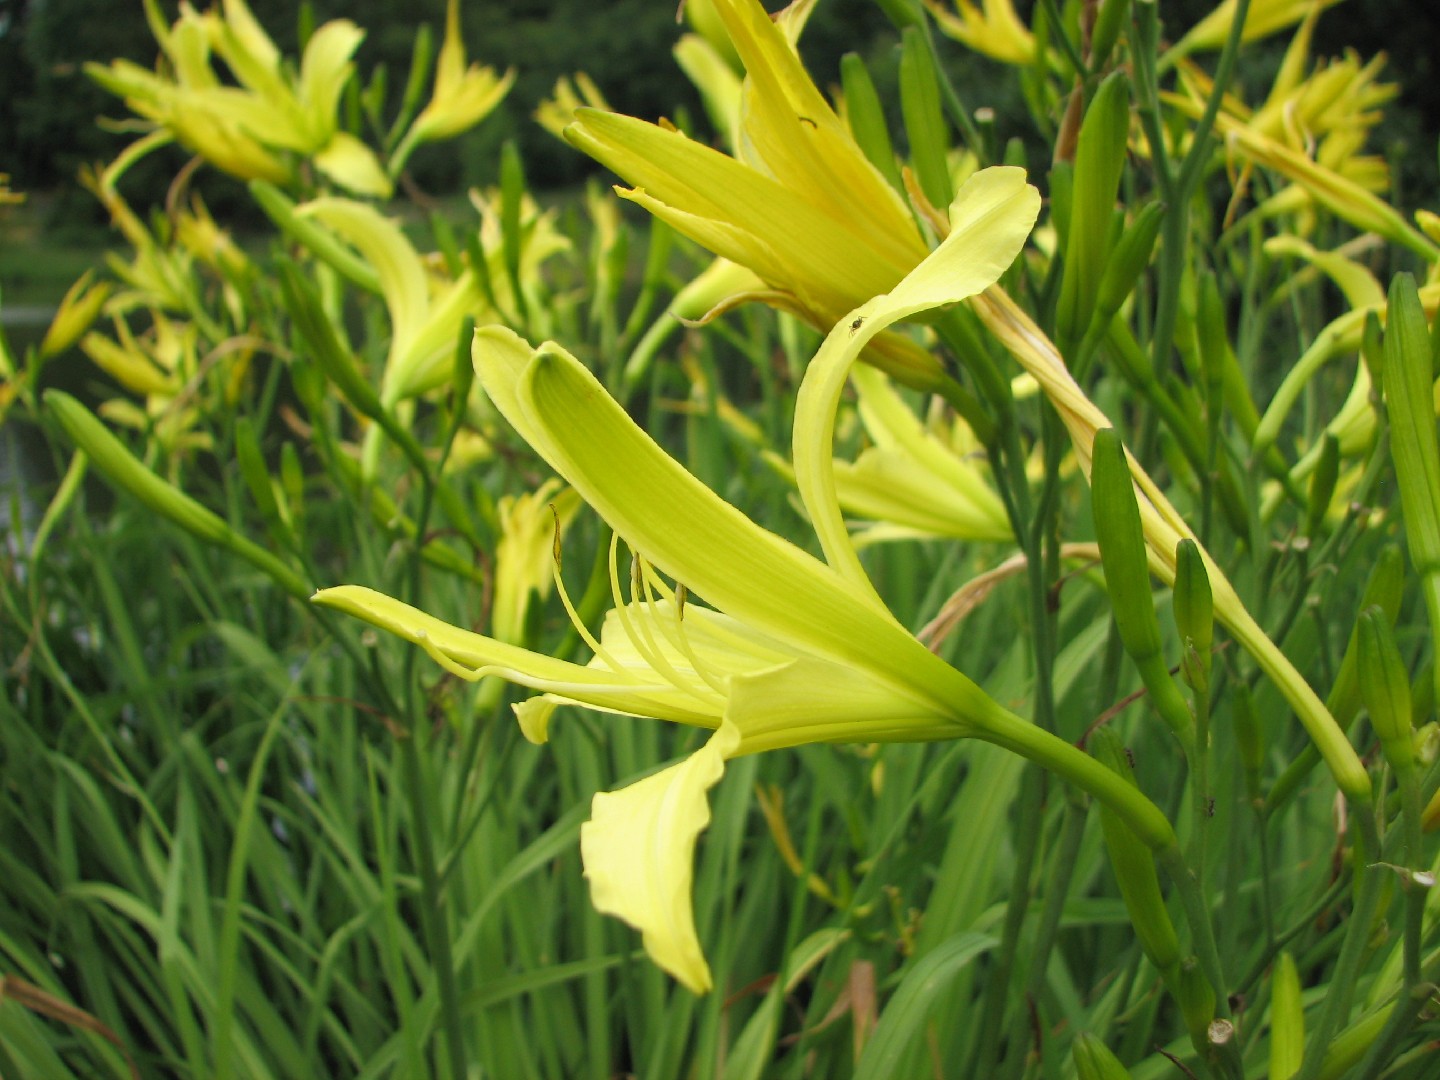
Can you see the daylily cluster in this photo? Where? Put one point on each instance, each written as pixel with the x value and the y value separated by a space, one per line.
pixel 799 204
pixel 1312 130
pixel 277 117
pixel 791 650
pixel 183 352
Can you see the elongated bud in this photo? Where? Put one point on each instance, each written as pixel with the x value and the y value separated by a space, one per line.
pixel 1212 331
pixel 1099 159
pixel 1194 614
pixel 1385 687
pixel 1094 1060
pixel 1348 1048
pixel 322 344
pixel 1122 545
pixel 1372 350
pixel 1127 577
pixel 1287 1019
pixel 1134 866
pixel 292 483
pixel 1322 484
pixel 1383 589
pixel 125 471
pixel 924 120
pixel 1127 261
pixel 512 196
pixel 867 118
pixel 1409 403
pixel 110 456
pixel 1111 18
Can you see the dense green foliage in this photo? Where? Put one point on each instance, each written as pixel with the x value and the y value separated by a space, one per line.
pixel 1166 485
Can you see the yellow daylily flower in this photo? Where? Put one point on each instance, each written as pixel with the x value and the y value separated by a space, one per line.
pixel 916 480
pixel 993 29
pixel 793 649
pixel 1311 130
pixel 461 98
pixel 78 309
pixel 244 129
pixel 1264 18
pixel 571 92
pixel 529 525
pixel 423 314
pixel 799 204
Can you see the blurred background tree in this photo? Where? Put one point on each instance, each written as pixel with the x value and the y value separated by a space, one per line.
pixel 47 104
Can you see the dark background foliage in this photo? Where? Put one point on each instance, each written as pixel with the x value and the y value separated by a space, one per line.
pixel 48 106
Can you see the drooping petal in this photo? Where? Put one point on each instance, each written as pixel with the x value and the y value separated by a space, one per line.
pixel 402 277
pixel 789 131
pixel 471 655
pixel 353 165
pixel 639 851
pixel 990 218
pixel 688 176
pixel 690 533
pixel 325 68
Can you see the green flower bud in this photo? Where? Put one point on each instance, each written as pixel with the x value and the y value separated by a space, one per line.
pixel 1346 1049
pixel 322 344
pixel 1212 331
pixel 1287 1019
pixel 1094 1060
pixel 1112 17
pixel 924 120
pixel 1409 403
pixel 1322 484
pixel 126 472
pixel 1127 261
pixel 1194 614
pixel 1385 687
pixel 1127 577
pixel 1134 866
pixel 1099 160
pixel 867 118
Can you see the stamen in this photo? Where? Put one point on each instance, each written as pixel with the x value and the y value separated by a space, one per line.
pixel 681 640
pixel 575 620
pixel 454 667
pixel 639 633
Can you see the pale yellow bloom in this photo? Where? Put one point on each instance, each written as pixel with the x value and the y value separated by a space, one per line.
pixel 1264 18
pixel 799 205
pixel 793 650
pixel 79 307
pixel 993 29
pixel 530 526
pixel 572 92
pixel 248 129
pixel 462 97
